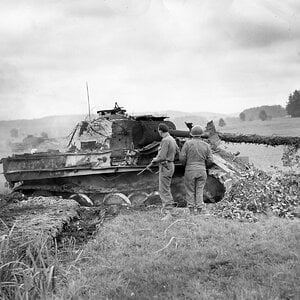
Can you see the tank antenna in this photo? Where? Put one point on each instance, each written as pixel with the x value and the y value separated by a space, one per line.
pixel 88 98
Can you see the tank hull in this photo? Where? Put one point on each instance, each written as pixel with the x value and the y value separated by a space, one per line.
pixel 66 174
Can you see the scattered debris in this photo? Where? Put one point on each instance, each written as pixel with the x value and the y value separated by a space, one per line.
pixel 81 228
pixel 257 192
pixel 13 197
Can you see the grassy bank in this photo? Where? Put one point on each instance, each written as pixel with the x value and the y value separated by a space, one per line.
pixel 137 256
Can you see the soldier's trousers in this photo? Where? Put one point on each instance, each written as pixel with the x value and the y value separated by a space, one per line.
pixel 166 171
pixel 194 180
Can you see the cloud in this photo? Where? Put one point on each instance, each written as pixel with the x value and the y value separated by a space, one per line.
pixel 9 78
pixel 106 9
pixel 256 24
pixel 89 9
pixel 250 34
pixel 148 54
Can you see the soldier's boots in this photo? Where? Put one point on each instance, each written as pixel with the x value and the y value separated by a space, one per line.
pixel 203 211
pixel 198 211
pixel 193 210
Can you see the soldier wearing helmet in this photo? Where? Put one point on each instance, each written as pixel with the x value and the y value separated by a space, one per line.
pixel 195 154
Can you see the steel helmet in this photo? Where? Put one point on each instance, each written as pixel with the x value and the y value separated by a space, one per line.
pixel 196 130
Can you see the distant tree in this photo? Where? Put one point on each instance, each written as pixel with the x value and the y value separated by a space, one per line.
pixel 263 115
pixel 222 122
pixel 14 133
pixel 293 105
pixel 44 135
pixel 242 116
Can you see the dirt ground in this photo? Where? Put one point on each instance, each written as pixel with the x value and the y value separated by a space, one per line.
pixel 36 218
pixel 50 217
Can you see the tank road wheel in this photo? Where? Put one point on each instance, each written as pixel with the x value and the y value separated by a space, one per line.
pixel 114 203
pixel 82 199
pixel 153 199
pixel 116 199
pixel 42 193
pixel 138 198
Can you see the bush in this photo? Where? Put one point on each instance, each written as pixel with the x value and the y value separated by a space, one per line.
pixel 263 115
pixel 44 135
pixel 293 105
pixel 14 133
pixel 222 122
pixel 242 116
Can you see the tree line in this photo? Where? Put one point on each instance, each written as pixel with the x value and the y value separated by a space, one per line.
pixel 292 108
pixel 293 105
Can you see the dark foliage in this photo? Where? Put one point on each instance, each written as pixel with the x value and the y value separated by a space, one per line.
pixel 14 133
pixel 263 115
pixel 242 116
pixel 222 122
pixel 44 135
pixel 260 139
pixel 293 105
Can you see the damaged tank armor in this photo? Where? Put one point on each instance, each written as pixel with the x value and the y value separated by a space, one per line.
pixel 106 155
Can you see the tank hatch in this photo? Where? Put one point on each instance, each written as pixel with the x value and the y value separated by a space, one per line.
pixel 117 110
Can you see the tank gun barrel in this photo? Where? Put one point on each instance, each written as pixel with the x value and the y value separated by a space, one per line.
pixel 247 138
pixel 260 139
pixel 180 133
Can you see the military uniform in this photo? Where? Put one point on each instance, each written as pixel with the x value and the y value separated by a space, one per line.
pixel 165 158
pixel 194 154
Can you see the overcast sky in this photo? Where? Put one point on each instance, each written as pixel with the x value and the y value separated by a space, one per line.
pixel 149 55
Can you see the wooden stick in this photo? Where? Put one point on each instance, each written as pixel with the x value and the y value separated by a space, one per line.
pixel 179 220
pixel 165 247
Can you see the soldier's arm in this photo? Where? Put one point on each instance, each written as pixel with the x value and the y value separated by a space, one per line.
pixel 162 154
pixel 183 154
pixel 177 149
pixel 209 159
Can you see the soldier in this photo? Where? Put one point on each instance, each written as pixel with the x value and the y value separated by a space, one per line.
pixel 165 157
pixel 195 154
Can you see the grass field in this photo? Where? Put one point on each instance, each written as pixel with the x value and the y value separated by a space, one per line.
pixel 138 256
pixel 276 126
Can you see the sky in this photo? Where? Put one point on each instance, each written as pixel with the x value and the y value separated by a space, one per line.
pixel 148 55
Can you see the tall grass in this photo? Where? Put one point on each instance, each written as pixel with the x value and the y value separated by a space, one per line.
pixel 27 268
pixel 34 269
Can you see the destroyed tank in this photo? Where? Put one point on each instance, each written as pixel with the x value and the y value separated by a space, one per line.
pixel 109 155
